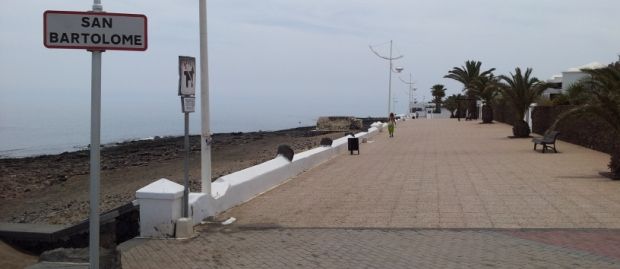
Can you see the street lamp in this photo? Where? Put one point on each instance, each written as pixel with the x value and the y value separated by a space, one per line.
pixel 396 70
pixel 394 101
pixel 205 135
pixel 411 90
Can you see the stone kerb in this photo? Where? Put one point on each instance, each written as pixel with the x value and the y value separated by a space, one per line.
pixel 379 125
pixel 241 186
pixel 311 158
pixel 160 207
pixel 245 184
pixel 230 190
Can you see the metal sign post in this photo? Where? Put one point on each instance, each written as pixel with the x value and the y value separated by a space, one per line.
pixel 97 32
pixel 95 153
pixel 187 91
pixel 95 141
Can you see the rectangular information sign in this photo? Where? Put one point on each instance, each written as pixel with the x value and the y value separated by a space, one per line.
pixel 94 30
pixel 189 104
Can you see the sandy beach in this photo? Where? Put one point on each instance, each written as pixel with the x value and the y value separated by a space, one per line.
pixel 54 188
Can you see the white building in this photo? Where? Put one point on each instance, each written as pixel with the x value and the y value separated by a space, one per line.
pixel 556 86
pixel 562 82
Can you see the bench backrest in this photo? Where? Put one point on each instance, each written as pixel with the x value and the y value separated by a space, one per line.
pixel 551 136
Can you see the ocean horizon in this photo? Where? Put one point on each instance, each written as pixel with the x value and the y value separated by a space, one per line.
pixel 49 137
pixel 35 140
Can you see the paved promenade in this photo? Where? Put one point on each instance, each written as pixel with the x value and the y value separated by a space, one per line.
pixel 446 174
pixel 441 194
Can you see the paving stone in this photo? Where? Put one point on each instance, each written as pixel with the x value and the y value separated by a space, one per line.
pixel 374 210
pixel 373 248
pixel 444 166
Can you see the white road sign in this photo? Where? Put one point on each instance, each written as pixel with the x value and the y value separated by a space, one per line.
pixel 94 30
pixel 189 104
pixel 187 75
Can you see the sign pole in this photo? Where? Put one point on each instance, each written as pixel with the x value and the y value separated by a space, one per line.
pixel 187 91
pixel 95 140
pixel 188 103
pixel 95 32
pixel 186 168
pixel 205 141
pixel 95 137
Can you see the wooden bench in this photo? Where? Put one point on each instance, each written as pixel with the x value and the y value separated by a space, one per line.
pixel 547 141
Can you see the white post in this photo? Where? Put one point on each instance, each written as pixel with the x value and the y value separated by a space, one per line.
pixel 390 73
pixel 410 95
pixel 95 130
pixel 205 141
pixel 390 83
pixel 95 140
pixel 186 167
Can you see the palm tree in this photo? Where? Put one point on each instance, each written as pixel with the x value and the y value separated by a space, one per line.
pixel 598 95
pixel 438 91
pixel 451 104
pixel 467 74
pixel 520 90
pixel 486 88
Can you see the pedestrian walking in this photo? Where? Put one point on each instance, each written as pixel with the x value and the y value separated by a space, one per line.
pixel 391 124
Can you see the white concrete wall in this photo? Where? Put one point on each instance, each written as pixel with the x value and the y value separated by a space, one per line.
pixel 160 207
pixel 548 92
pixel 570 78
pixel 528 114
pixel 241 186
pixel 236 188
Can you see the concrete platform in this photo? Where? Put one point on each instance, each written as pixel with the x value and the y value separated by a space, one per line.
pixel 29 231
pixel 446 174
pixel 59 265
pixel 440 194
pixel 365 248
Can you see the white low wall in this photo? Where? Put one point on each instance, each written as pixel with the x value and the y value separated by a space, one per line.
pixel 160 207
pixel 236 188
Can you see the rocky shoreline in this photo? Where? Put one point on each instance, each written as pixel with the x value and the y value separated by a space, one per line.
pixel 54 188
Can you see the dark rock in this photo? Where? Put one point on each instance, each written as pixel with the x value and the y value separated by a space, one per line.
pixel 65 255
pixel 286 151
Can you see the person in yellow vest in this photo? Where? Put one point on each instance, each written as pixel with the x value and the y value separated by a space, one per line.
pixel 391 124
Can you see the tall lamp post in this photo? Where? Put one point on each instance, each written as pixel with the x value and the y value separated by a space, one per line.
pixel 392 69
pixel 205 135
pixel 397 69
pixel 411 90
pixel 395 100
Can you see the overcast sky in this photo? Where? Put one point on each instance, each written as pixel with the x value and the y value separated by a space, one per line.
pixel 299 56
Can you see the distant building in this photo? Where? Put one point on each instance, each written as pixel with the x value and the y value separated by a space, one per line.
pixel 560 83
pixel 555 87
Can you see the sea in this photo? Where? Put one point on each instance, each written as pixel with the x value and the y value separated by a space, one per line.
pixel 29 133
pixel 57 121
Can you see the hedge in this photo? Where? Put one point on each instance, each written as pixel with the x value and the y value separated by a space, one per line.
pixel 587 131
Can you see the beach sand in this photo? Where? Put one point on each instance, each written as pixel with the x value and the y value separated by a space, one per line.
pixel 54 188
pixel 14 258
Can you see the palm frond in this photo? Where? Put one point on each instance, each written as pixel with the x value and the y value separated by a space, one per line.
pixel 597 95
pixel 521 89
